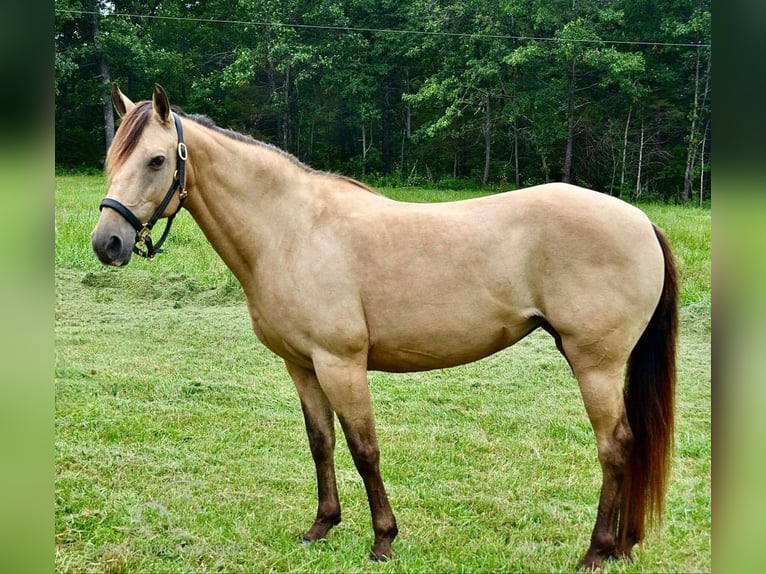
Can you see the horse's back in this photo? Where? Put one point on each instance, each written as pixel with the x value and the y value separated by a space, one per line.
pixel 444 284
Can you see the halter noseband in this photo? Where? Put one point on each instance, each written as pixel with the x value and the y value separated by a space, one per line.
pixel 144 246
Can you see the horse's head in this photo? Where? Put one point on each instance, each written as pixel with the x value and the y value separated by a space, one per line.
pixel 145 167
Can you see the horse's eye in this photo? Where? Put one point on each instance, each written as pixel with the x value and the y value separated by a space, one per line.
pixel 157 161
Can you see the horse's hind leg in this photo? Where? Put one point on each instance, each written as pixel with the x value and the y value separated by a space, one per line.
pixel 601 384
pixel 320 427
pixel 345 385
pixel 613 451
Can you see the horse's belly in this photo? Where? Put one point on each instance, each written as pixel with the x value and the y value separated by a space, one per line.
pixel 446 346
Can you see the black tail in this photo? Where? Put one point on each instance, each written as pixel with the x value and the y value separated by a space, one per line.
pixel 650 400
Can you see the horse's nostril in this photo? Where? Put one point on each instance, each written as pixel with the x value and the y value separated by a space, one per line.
pixel 114 247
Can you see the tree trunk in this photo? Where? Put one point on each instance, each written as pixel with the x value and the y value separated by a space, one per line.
pixel 409 121
pixel 364 147
pixel 310 151
pixel 702 163
pixel 566 175
pixel 454 164
pixel 625 150
pixel 385 144
pixel 106 98
pixel 286 116
pixel 272 82
pixel 407 133
pixel 106 81
pixel 640 160
pixel 516 152
pixel 691 155
pixel 487 140
pixel 705 130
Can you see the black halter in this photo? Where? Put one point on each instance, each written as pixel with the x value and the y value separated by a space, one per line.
pixel 144 246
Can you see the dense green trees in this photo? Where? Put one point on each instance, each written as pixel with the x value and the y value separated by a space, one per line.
pixel 611 94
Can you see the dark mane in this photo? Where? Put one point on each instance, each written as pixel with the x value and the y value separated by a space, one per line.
pixel 134 122
pixel 205 121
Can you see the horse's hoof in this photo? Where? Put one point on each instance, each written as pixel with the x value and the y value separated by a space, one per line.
pixel 591 562
pixel 304 541
pixel 594 561
pixel 379 558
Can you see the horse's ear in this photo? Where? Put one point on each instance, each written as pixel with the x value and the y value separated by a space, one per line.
pixel 161 103
pixel 120 101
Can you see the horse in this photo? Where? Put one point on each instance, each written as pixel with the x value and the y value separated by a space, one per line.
pixel 340 280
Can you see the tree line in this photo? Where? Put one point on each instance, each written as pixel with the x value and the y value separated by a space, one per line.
pixel 609 94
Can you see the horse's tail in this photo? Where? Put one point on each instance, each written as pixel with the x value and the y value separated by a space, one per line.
pixel 649 399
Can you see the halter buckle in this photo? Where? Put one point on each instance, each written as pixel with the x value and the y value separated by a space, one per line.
pixel 143 233
pixel 143 245
pixel 182 153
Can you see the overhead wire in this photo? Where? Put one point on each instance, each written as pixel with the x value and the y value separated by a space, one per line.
pixel 383 30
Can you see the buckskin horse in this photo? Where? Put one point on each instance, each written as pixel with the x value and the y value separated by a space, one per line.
pixel 340 280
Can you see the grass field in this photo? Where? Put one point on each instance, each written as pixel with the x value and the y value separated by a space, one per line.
pixel 180 444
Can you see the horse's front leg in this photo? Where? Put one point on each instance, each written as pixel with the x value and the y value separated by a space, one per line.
pixel 320 427
pixel 344 382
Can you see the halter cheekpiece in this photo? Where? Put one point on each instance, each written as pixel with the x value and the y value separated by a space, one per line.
pixel 144 245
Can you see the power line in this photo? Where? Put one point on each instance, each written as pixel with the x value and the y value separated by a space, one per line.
pixel 384 30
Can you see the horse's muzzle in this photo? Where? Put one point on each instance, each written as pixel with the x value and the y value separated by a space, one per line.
pixel 111 248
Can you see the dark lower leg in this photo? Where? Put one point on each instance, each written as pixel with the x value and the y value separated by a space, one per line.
pixel 604 544
pixel 320 428
pixel 322 443
pixel 603 540
pixel 364 450
pixel 344 382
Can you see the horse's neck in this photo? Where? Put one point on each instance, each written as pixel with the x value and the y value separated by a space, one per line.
pixel 241 195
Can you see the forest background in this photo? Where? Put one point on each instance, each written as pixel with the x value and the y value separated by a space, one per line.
pixel 609 94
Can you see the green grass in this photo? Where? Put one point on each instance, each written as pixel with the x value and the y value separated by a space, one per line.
pixel 77 200
pixel 180 444
pixel 688 230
